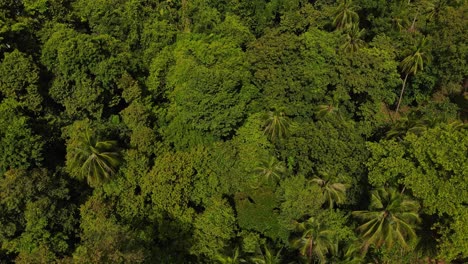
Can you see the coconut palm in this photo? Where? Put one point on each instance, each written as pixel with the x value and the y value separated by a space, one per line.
pixel 333 192
pixel 266 256
pixel 276 125
pixel 353 39
pixel 345 16
pixel 94 159
pixel 412 64
pixel 270 168
pixel 391 217
pixel 317 240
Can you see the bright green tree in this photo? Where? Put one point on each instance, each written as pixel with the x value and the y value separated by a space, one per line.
pixel 392 217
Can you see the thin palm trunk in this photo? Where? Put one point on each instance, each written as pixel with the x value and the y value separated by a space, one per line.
pixel 185 18
pixel 401 93
pixel 412 28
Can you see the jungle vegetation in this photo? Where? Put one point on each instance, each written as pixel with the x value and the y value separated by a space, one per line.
pixel 233 131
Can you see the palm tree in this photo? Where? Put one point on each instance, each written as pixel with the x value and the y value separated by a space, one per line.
pixel 269 169
pixel 317 240
pixel 267 257
pixel 345 16
pixel 412 122
pixel 350 253
pixel 333 192
pixel 353 39
pixel 95 160
pixel 323 110
pixel 412 64
pixel 391 216
pixel 234 259
pixel 277 125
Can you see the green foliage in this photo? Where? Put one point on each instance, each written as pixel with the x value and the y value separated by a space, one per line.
pixel 441 168
pixel 257 210
pixel 36 216
pixel 325 147
pixel 234 121
pixel 299 198
pixel 19 78
pixel 20 147
pixel 213 228
pixel 209 89
pixel 86 69
pixel 104 240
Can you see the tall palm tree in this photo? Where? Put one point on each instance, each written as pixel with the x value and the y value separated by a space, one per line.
pixel 412 64
pixel 345 15
pixel 95 160
pixel 333 192
pixel 317 240
pixel 269 169
pixel 353 39
pixel 391 217
pixel 276 125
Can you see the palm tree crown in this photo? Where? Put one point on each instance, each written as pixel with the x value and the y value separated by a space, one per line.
pixel 97 160
pixel 353 39
pixel 269 169
pixel 317 240
pixel 345 16
pixel 267 256
pixel 277 125
pixel 415 61
pixel 333 192
pixel 391 217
